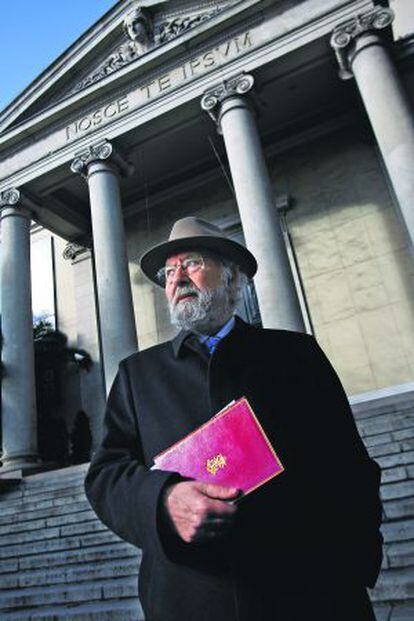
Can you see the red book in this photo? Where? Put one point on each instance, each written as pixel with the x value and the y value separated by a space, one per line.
pixel 230 449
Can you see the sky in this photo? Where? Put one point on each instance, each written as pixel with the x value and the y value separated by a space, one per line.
pixel 35 32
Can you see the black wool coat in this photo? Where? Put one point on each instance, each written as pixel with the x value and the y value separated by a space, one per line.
pixel 303 546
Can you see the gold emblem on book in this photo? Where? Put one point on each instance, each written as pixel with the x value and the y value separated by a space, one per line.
pixel 215 463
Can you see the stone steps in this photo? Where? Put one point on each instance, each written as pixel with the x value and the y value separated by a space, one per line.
pixel 28 501
pixel 396 459
pixel 386 424
pixel 388 448
pixel 400 489
pixel 395 584
pixel 401 530
pixel 387 429
pixel 26 505
pixel 48 532
pixel 67 543
pixel 57 560
pixel 47 510
pixel 111 588
pixel 399 611
pixel 69 574
pixel 401 508
pixel 110 610
pixel 29 524
pixel 93 554
pixel 400 554
pixel 39 486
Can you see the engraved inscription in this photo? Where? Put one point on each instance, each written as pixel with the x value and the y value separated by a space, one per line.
pixel 197 65
pixel 93 120
pixel 215 463
pixel 146 91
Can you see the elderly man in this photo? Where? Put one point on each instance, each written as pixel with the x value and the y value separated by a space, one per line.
pixel 303 546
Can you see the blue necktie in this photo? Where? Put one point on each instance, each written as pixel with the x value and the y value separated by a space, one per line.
pixel 211 343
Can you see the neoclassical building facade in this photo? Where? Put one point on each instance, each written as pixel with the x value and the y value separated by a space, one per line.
pixel 288 123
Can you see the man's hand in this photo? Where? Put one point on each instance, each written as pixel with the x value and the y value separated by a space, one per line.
pixel 199 511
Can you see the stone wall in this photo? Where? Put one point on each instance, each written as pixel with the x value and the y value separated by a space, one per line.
pixel 353 258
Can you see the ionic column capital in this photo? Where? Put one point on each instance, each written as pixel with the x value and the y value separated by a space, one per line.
pixel 75 249
pixel 14 203
pixel 102 151
pixel 213 97
pixel 9 197
pixel 346 35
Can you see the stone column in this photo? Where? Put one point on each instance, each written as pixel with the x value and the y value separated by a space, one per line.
pixel 19 422
pixel 227 104
pixel 361 51
pixel 99 165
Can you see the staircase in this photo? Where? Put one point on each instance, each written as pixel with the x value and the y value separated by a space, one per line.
pixel 57 561
pixel 387 427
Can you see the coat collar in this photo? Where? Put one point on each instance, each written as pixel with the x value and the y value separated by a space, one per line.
pixel 240 327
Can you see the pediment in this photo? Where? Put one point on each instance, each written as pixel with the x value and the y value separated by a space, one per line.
pixel 128 32
pixel 158 24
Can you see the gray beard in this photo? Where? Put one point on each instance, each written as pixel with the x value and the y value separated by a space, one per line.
pixel 205 312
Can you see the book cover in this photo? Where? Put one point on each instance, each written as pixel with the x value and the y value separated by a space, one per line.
pixel 230 449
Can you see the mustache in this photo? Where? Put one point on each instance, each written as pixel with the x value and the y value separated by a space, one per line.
pixel 184 290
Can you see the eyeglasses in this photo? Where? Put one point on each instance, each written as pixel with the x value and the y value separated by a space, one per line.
pixel 189 265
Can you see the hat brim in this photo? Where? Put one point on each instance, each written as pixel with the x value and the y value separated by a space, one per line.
pixel 156 257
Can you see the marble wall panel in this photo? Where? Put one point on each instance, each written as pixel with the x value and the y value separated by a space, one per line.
pixel 353 257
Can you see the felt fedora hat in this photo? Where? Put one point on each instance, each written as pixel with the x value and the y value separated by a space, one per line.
pixel 196 234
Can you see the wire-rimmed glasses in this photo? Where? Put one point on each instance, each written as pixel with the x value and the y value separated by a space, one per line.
pixel 189 265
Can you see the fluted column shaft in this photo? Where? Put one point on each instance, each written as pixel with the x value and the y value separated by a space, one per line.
pixel 362 53
pixel 19 422
pixel 116 314
pixel 276 293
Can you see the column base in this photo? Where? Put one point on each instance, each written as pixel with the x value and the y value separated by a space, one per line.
pixel 20 466
pixel 12 476
pixel 17 472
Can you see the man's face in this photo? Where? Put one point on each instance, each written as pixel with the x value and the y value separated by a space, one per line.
pixel 201 299
pixel 206 278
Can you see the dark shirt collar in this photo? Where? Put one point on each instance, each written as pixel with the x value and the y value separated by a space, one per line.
pixel 178 341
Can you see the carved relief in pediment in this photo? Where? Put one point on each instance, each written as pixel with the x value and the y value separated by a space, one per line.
pixel 143 30
pixel 177 25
